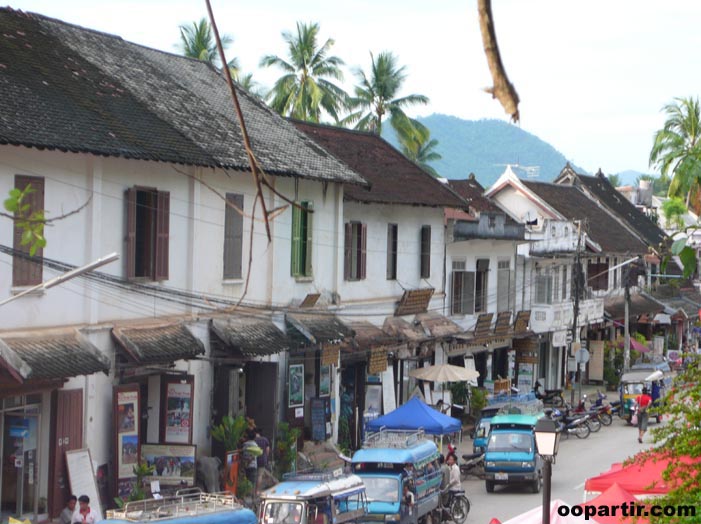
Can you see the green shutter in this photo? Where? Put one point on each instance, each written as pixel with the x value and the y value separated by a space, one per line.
pixel 307 261
pixel 296 241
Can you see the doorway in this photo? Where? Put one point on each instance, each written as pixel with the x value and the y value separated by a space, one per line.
pixel 19 458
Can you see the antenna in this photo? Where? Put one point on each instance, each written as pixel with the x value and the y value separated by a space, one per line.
pixel 531 171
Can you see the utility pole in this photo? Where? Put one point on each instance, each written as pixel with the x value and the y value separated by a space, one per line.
pixel 576 276
pixel 626 325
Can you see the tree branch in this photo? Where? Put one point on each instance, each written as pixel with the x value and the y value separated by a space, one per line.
pixel 46 221
pixel 502 90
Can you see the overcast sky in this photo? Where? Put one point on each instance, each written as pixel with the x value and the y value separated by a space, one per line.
pixel 592 76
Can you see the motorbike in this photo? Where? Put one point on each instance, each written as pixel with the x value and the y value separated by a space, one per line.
pixel 473 465
pixel 456 508
pixel 600 414
pixel 576 426
pixel 550 396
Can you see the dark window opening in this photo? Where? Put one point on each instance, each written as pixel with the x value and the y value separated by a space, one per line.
pixel 392 239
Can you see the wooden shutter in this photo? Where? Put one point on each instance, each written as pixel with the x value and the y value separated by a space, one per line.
pixel 296 252
pixel 362 259
pixel 392 251
pixel 233 236
pixel 162 235
pixel 456 287
pixel 308 240
pixel 27 272
pixel 347 251
pixel 468 292
pixel 425 251
pixel 130 239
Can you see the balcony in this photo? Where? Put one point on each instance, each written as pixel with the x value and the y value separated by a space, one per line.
pixel 557 317
pixel 493 226
pixel 552 236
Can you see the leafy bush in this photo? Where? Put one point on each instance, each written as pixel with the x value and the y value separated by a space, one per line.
pixel 478 400
pixel 286 449
pixel 230 432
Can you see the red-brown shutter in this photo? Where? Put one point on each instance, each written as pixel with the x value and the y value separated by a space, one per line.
pixel 130 238
pixel 26 272
pixel 362 262
pixel 456 287
pixel 162 235
pixel 425 251
pixel 347 251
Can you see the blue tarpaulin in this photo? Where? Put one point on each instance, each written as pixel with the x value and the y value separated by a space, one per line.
pixel 416 414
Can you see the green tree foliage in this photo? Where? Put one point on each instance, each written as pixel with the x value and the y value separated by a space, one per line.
pixel 673 210
pixel 230 431
pixel 678 438
pixel 197 41
pixel 246 81
pixel 614 180
pixel 286 449
pixel 31 224
pixel 377 97
pixel 305 89
pixel 676 150
pixel 420 148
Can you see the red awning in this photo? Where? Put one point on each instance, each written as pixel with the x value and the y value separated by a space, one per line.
pixel 614 496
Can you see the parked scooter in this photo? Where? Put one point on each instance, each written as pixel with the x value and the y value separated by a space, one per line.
pixel 550 396
pixel 601 412
pixel 571 425
pixel 473 465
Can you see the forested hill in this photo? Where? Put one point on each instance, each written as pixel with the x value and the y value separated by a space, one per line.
pixel 484 147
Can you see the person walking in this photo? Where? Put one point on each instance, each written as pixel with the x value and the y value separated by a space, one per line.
pixel 643 402
pixel 264 458
pixel 251 452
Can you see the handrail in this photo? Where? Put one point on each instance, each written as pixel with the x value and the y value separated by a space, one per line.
pixel 394 438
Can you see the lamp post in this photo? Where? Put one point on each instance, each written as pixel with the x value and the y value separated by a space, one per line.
pixel 547 441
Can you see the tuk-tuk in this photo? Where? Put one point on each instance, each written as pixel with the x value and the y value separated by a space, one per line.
pixel 314 498
pixel 656 377
pixel 188 506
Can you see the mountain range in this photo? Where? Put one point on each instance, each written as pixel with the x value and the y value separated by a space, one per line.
pixel 485 147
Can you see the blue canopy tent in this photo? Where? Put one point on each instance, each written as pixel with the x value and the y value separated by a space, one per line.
pixel 416 414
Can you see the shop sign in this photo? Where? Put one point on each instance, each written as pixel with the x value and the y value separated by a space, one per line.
pixel 330 354
pixel 173 465
pixel 126 409
pixel 378 361
pixel 296 385
pixel 177 413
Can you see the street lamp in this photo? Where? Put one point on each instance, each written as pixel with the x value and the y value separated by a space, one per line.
pixel 547 442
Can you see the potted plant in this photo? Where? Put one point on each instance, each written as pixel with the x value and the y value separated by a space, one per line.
pixel 230 433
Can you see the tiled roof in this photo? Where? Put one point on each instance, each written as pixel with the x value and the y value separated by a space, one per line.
pixel 601 226
pixel 640 304
pixel 409 332
pixel 251 336
pixel 368 335
pixel 438 325
pixel 73 89
pixel 688 300
pixel 393 178
pixel 602 190
pixel 158 343
pixel 473 192
pixel 319 328
pixel 55 355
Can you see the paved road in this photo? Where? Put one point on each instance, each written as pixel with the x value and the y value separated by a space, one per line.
pixel 577 460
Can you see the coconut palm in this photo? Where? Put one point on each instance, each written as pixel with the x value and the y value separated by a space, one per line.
pixel 420 148
pixel 377 97
pixel 305 89
pixel 676 150
pixel 254 88
pixel 197 41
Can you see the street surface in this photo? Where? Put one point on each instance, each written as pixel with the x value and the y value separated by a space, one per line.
pixel 577 460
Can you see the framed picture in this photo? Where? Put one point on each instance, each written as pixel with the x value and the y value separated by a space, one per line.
pixel 373 399
pixel 296 385
pixel 174 465
pixel 324 381
pixel 176 410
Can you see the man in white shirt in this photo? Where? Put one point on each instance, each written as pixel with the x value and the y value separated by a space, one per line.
pixel 67 514
pixel 84 514
pixel 453 472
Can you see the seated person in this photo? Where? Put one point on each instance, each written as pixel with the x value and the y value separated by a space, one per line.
pixel 407 500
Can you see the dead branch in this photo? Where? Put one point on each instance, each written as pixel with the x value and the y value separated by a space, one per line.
pixel 502 90
pixel 47 221
pixel 246 141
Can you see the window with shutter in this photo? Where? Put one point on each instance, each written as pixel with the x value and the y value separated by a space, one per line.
pixel 233 236
pixel 543 287
pixel 25 271
pixel 481 285
pixel 355 251
pixel 563 294
pixel 504 285
pixel 302 240
pixel 463 292
pixel 392 238
pixel 425 251
pixel 148 233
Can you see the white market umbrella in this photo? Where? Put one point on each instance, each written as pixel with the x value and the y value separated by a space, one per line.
pixel 444 373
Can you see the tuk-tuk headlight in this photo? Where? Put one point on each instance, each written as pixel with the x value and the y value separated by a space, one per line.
pixel 393 518
pixel 491 464
pixel 526 465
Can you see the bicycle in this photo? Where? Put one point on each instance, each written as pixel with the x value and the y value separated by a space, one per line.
pixel 456 508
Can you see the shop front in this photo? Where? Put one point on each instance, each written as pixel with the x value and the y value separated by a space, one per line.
pixel 159 405
pixel 39 420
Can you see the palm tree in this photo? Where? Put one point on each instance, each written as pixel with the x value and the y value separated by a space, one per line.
pixel 615 180
pixel 420 148
pixel 676 150
pixel 197 41
pixel 246 81
pixel 305 90
pixel 377 97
